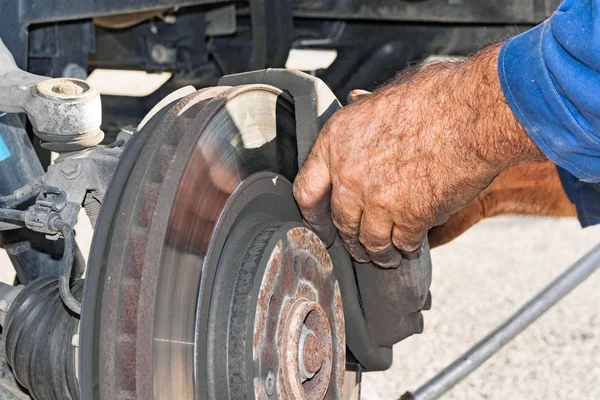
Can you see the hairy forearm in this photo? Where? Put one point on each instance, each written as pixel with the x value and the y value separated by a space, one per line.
pixel 469 106
pixel 497 134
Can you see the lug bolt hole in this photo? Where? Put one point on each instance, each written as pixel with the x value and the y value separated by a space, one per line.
pixel 310 266
pixel 270 382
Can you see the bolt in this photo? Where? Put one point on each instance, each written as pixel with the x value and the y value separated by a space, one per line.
pixel 4 305
pixel 71 169
pixel 313 354
pixel 310 353
pixel 270 383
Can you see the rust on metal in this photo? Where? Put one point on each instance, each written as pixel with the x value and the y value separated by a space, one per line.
pixel 312 354
pixel 299 289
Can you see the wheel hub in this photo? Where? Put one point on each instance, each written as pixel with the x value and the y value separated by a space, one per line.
pixel 284 300
pixel 299 313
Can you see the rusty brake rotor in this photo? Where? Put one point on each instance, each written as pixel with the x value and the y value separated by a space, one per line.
pixel 205 283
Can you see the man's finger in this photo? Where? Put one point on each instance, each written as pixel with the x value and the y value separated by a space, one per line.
pixel 353 246
pixel 355 95
pixel 376 237
pixel 406 239
pixel 312 190
pixel 346 214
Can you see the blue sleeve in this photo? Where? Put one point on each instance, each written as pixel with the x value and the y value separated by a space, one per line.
pixel 550 76
pixel 585 196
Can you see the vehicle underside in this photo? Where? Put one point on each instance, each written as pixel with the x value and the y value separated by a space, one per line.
pixel 202 281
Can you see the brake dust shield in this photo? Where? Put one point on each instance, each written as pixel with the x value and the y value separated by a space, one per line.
pixel 208 286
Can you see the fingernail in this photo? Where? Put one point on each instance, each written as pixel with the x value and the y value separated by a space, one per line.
pixel 359 254
pixel 356 250
pixel 413 255
pixel 388 258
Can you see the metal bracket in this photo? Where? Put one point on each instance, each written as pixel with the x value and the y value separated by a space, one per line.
pixel 65 112
pixel 314 101
pixel 88 170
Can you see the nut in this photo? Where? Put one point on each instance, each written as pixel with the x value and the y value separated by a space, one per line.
pixel 311 356
pixel 71 169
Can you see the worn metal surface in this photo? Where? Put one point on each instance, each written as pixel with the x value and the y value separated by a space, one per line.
pixel 93 293
pixel 299 290
pixel 313 100
pixel 292 382
pixel 208 143
pixel 310 353
pixel 488 346
pixel 15 83
pixel 145 240
pixel 79 173
pixel 63 111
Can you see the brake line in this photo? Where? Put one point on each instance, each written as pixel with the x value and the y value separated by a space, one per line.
pixel 64 278
pixel 67 259
pixel 22 193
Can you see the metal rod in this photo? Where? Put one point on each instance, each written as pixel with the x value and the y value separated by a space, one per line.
pixel 487 347
pixel 10 215
pixel 7 226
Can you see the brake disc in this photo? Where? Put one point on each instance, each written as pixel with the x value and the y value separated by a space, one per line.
pixel 204 284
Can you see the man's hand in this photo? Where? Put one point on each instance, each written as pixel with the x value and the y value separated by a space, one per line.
pixel 405 158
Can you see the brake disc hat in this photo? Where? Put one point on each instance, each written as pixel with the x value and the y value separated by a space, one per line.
pixel 203 215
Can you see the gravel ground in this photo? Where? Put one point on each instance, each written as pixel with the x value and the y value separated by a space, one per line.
pixel 480 279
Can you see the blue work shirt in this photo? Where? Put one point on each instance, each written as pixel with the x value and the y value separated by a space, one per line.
pixel 550 76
